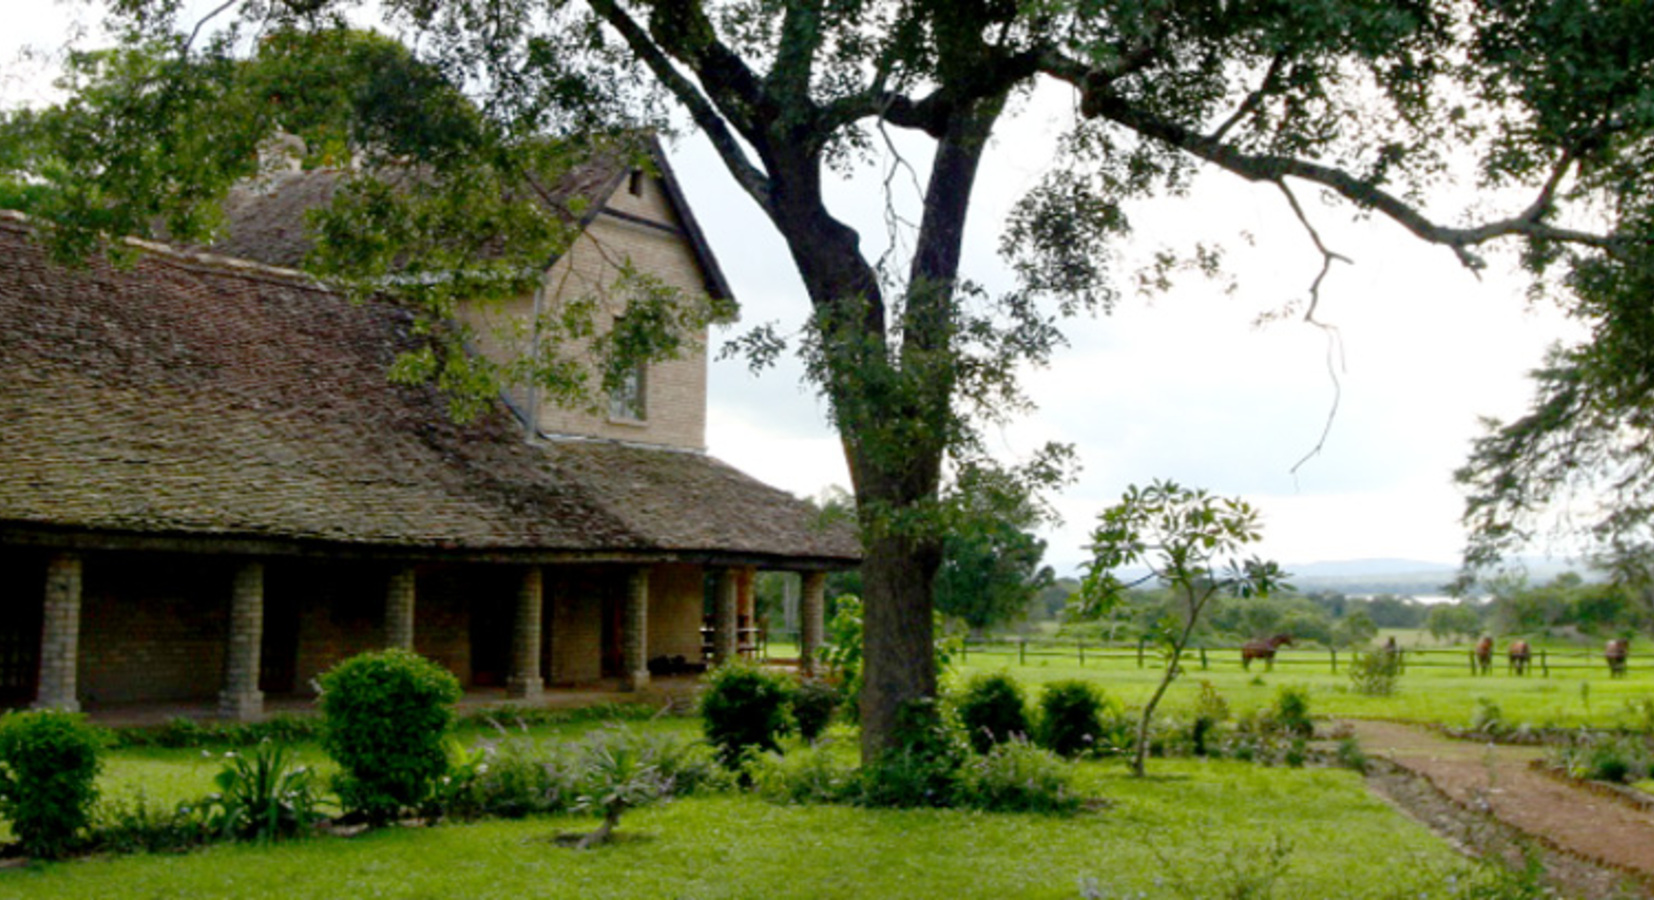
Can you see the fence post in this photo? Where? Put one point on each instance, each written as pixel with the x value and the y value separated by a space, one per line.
pixel 1334 660
pixel 1082 653
pixel 1544 663
pixel 1472 656
pixel 1203 659
pixel 1022 652
pixel 1140 643
pixel 964 650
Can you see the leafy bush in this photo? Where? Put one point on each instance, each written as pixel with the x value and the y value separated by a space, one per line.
pixel 181 731
pixel 992 710
pixel 814 774
pixel 814 702
pixel 1488 719
pixel 49 762
pixel 1211 710
pixel 138 825
pixel 1071 718
pixel 1606 757
pixel 263 796
pixel 922 767
pixel 745 707
pixel 1017 776
pixel 1351 756
pixel 385 718
pixel 1291 712
pixel 510 778
pixel 1375 673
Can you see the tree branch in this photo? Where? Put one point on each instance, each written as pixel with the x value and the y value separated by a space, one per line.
pixel 1251 103
pixel 1273 168
pixel 706 116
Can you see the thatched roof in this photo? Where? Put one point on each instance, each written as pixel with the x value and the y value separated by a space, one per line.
pixel 197 397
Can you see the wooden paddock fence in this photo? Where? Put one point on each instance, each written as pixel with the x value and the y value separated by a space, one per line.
pixel 1542 663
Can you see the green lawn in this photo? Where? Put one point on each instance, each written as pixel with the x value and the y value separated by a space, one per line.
pixel 1202 823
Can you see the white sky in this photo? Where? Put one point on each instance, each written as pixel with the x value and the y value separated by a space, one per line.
pixel 1180 387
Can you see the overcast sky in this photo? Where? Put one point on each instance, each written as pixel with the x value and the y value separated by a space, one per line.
pixel 1179 386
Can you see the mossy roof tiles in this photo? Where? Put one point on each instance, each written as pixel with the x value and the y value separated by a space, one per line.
pixel 190 395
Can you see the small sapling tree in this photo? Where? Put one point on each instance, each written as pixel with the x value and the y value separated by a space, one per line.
pixel 1189 540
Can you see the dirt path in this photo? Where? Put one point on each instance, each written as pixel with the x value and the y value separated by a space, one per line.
pixel 1497 780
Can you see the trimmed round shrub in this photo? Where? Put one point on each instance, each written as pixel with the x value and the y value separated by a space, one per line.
pixel 1070 718
pixel 48 772
pixel 744 707
pixel 1292 712
pixel 385 717
pixel 814 702
pixel 992 710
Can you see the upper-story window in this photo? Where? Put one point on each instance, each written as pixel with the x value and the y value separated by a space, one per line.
pixel 634 183
pixel 626 401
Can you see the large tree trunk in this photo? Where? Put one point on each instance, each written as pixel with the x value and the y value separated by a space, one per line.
pixel 898 657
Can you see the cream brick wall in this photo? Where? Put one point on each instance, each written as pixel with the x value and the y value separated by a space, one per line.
pixel 675 390
pixel 574 613
pixel 675 602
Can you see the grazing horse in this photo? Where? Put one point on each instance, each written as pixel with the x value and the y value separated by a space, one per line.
pixel 1264 650
pixel 1484 656
pixel 1618 650
pixel 1519 654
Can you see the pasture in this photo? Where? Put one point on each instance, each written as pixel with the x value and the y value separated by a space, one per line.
pixel 1437 685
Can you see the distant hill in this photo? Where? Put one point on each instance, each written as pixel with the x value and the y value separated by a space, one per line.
pixel 1402 577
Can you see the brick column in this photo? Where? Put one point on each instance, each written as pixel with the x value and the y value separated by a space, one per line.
pixel 241 699
pixel 811 620
pixel 726 599
pixel 399 609
pixel 60 635
pixel 635 646
pixel 525 682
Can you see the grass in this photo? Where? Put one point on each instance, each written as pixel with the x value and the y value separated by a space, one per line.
pixel 1445 694
pixel 1186 824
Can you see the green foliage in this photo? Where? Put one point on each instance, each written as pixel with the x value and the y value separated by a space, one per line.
pixel 1446 621
pixel 1291 712
pixel 1016 776
pixel 991 570
pixel 816 774
pixel 182 731
pixel 745 708
pixel 49 763
pixel 386 715
pixel 1375 673
pixel 922 767
pixel 814 701
pixel 1188 539
pixel 618 772
pixel 1615 758
pixel 262 796
pixel 1071 718
pixel 992 709
pixel 1489 718
pixel 508 777
pixel 141 825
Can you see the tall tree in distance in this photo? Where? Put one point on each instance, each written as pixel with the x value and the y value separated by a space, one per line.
pixel 991 560
pixel 1543 105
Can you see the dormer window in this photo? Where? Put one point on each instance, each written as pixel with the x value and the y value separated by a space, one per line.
pixel 634 183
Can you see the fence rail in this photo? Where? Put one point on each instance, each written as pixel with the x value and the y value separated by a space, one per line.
pixel 1542 661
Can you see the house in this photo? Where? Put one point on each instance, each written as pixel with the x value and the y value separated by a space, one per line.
pixel 210 492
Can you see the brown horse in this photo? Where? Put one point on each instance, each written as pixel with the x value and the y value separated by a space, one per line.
pixel 1264 650
pixel 1484 656
pixel 1618 650
pixel 1519 654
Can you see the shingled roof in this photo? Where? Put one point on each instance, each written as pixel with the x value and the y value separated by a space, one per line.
pixel 264 220
pixel 196 397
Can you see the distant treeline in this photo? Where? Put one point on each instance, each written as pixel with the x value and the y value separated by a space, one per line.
pixel 1565 606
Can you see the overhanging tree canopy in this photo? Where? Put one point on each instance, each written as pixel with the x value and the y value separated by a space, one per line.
pixel 1544 106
